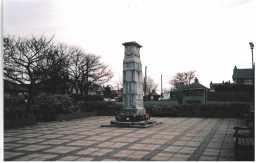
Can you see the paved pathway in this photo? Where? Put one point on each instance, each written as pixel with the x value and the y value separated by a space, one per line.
pixel 83 139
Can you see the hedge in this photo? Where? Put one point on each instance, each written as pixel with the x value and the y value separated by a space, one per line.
pixel 47 107
pixel 57 107
pixel 106 108
pixel 226 110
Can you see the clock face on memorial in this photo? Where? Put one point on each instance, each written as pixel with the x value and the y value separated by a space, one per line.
pixel 128 51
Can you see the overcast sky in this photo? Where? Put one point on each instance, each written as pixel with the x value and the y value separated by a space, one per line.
pixel 208 36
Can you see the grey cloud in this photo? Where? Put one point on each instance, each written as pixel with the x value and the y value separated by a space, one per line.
pixel 26 14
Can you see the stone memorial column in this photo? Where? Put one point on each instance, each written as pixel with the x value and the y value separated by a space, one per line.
pixel 133 108
pixel 133 113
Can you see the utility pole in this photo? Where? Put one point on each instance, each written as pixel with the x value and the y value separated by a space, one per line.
pixel 145 81
pixel 252 46
pixel 250 100
pixel 161 86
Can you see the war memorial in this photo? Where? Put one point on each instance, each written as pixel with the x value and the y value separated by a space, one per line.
pixel 131 135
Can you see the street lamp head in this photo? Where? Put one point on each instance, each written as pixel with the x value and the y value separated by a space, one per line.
pixel 251 45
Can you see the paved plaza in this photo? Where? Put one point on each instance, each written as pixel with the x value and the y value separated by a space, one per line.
pixel 83 140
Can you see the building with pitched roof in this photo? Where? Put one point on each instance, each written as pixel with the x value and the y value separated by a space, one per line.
pixel 242 89
pixel 243 76
pixel 194 93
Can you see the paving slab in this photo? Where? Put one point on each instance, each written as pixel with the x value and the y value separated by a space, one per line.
pixel 176 139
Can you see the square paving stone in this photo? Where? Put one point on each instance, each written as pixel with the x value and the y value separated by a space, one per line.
pixel 11 139
pixel 73 137
pixel 126 140
pixel 30 135
pixel 118 145
pixel 55 142
pixel 144 146
pixel 87 133
pixel 187 150
pixel 196 139
pixel 36 157
pixel 82 143
pixel 211 152
pixel 138 155
pixel 51 136
pixel 30 140
pixel 180 143
pixel 137 135
pixel 187 138
pixel 154 141
pixel 10 134
pixel 100 152
pixel 105 144
pixel 61 149
pixel 122 131
pixel 179 157
pixel 10 155
pixel 87 151
pixel 192 143
pixel 167 137
pixel 69 158
pixel 161 157
pixel 33 147
pixel 207 158
pixel 173 149
pixel 46 132
pixel 11 145
pixel 68 132
pixel 216 146
pixel 99 138
pixel 123 153
pixel 111 159
pixel 85 159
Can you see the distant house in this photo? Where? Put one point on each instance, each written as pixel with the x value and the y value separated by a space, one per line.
pixel 95 89
pixel 117 93
pixel 240 90
pixel 165 96
pixel 194 93
pixel 243 76
pixel 153 96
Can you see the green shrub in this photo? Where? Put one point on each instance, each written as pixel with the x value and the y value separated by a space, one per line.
pixel 167 108
pixel 15 113
pixel 88 98
pixel 99 107
pixel 93 98
pixel 13 100
pixel 18 119
pixel 48 106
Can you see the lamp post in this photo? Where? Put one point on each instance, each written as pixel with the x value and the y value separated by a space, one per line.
pixel 252 46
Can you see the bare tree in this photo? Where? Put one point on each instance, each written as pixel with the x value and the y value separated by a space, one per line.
pixel 54 70
pixel 96 72
pixel 183 78
pixel 76 68
pixel 86 70
pixel 21 61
